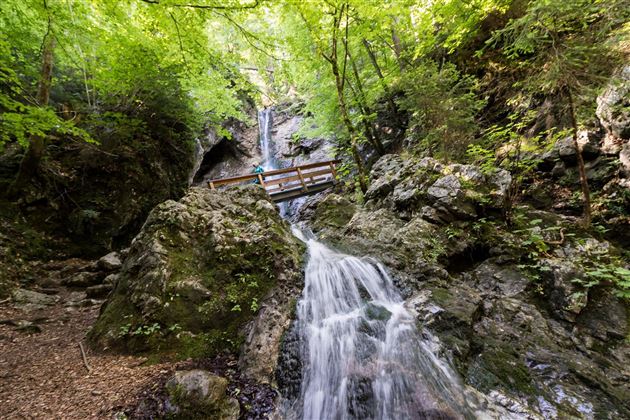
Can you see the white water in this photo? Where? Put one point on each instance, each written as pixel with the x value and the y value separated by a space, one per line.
pixel 265 122
pixel 362 355
pixel 267 149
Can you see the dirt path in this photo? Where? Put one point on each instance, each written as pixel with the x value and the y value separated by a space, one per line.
pixel 42 375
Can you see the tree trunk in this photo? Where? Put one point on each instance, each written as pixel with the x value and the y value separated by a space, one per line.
pixel 33 156
pixel 370 133
pixel 379 73
pixel 398 48
pixel 350 126
pixel 586 195
pixel 345 116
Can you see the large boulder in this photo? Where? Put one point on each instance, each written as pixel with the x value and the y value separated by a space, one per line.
pixel 197 275
pixel 197 394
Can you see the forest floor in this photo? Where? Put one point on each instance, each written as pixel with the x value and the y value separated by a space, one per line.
pixel 42 374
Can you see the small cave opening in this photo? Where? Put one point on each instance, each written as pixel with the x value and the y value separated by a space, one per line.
pixel 222 151
pixel 467 259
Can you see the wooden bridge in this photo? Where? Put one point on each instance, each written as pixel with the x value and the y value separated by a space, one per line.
pixel 289 183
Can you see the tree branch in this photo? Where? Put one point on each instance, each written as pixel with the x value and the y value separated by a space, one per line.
pixel 179 38
pixel 208 7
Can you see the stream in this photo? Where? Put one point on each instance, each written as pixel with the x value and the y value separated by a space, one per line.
pixel 361 353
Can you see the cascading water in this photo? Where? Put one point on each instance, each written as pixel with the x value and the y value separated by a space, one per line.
pixel 362 356
pixel 269 160
pixel 265 122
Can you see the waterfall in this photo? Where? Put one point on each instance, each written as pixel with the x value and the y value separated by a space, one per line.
pixel 265 122
pixel 362 355
pixel 267 149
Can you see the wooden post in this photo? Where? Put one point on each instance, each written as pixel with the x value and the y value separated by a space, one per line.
pixel 304 187
pixel 333 171
pixel 260 179
pixel 211 185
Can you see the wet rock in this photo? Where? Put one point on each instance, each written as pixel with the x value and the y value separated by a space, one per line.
pixel 363 401
pixel 200 394
pixel 605 316
pixel 376 312
pixel 289 371
pixel 110 262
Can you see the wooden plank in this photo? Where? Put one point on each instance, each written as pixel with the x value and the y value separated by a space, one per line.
pixel 234 179
pixel 316 173
pixel 299 171
pixel 307 166
pixel 305 177
pixel 282 180
pixel 333 170
pixel 298 192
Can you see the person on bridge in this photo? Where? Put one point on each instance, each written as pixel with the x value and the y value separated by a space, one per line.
pixel 258 169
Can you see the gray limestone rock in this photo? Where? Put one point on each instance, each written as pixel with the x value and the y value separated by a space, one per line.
pixel 110 262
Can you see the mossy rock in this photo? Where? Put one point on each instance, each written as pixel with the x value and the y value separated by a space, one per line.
pixel 197 274
pixel 197 394
pixel 333 211
pixel 500 368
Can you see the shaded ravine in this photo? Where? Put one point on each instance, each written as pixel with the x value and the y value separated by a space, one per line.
pixel 362 356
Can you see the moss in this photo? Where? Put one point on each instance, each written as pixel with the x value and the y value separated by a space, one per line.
pixel 334 211
pixel 441 296
pixel 195 408
pixel 500 368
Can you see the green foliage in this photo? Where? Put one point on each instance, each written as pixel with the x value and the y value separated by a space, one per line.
pixel 152 63
pixel 442 105
pixel 604 270
pixel 564 46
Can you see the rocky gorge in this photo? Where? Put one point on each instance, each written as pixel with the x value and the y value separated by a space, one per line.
pixel 469 259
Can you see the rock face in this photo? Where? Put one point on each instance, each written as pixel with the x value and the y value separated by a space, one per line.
pixel 441 192
pixel 113 186
pixel 613 106
pixel 199 272
pixel 524 332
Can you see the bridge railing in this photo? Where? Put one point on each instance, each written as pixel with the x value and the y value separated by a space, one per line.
pixel 279 180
